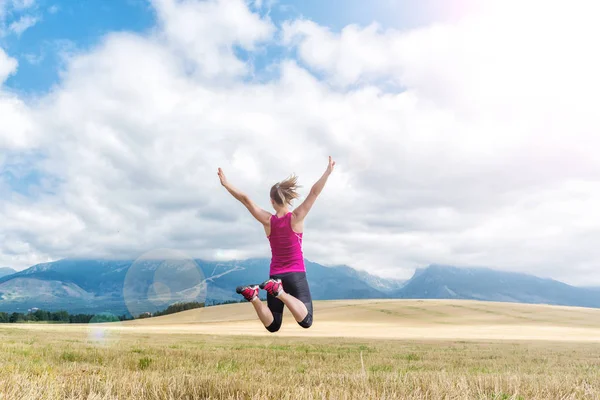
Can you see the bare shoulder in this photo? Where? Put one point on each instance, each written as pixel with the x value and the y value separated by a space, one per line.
pixel 268 218
pixel 296 212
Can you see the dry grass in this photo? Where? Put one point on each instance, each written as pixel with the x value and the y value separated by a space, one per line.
pixel 35 365
pixel 38 362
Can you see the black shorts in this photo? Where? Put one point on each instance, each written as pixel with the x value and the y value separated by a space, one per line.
pixel 294 284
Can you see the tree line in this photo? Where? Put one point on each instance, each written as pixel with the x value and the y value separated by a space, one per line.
pixel 60 317
pixel 64 317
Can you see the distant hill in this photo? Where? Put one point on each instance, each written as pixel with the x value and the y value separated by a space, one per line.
pixel 446 282
pixel 93 286
pixel 98 286
pixel 595 288
pixel 4 271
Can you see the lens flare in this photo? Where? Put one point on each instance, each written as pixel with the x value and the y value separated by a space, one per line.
pixel 103 329
pixel 161 278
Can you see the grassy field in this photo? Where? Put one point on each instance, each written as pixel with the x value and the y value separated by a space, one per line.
pixel 136 362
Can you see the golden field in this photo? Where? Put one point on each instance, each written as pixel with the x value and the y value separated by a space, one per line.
pixel 367 349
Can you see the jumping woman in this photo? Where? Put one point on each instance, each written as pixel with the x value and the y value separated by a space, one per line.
pixel 287 284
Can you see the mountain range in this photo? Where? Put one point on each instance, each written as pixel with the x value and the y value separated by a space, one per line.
pixel 6 271
pixel 128 287
pixel 447 282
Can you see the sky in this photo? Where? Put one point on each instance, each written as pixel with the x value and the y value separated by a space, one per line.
pixel 464 133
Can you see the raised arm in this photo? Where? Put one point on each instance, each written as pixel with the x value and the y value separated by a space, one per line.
pixel 302 210
pixel 261 215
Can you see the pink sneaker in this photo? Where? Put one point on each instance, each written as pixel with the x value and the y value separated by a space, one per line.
pixel 272 286
pixel 249 292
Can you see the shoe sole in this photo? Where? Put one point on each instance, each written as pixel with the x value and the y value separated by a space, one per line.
pixel 262 285
pixel 240 289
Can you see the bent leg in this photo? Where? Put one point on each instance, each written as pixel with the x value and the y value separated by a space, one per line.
pixel 276 324
pixel 296 296
pixel 264 313
pixel 296 307
pixel 275 308
pixel 308 320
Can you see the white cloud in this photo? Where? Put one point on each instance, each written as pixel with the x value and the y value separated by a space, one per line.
pixel 8 66
pixel 11 20
pixel 15 119
pixel 23 4
pixel 471 142
pixel 24 23
pixel 16 126
pixel 349 57
pixel 3 9
pixel 7 6
pixel 34 59
pixel 206 32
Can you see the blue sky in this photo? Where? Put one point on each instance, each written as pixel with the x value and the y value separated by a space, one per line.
pixel 65 27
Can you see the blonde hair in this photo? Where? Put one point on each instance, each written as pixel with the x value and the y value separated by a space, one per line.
pixel 286 191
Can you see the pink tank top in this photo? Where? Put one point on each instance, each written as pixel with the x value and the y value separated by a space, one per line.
pixel 286 246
